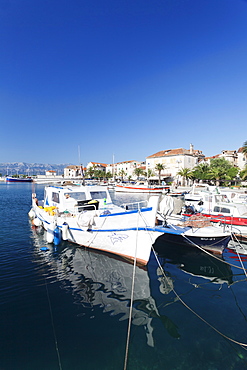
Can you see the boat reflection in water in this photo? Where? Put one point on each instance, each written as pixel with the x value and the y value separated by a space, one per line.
pixel 195 262
pixel 105 281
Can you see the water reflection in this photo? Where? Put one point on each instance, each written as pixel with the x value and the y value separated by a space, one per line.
pixel 104 281
pixel 195 262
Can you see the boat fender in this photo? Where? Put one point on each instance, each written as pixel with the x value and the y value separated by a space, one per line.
pixel 57 236
pixel 44 249
pixel 65 231
pixel 37 222
pixel 31 214
pixel 50 232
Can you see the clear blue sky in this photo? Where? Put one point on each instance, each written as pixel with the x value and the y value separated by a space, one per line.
pixel 122 77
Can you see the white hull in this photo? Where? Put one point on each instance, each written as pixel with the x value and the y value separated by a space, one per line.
pixel 133 189
pixel 125 233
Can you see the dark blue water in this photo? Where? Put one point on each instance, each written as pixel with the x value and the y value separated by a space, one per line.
pixel 67 308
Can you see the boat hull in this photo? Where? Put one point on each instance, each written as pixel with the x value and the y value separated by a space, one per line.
pixel 16 179
pixel 134 189
pixel 124 233
pixel 237 225
pixel 214 244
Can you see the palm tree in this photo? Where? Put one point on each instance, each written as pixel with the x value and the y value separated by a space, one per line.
pixel 243 173
pixel 216 174
pixel 244 150
pixel 159 167
pixel 90 172
pixel 122 173
pixel 186 173
pixel 138 172
pixel 200 172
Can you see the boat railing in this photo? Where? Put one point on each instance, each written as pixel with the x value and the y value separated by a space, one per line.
pixel 134 205
pixel 221 220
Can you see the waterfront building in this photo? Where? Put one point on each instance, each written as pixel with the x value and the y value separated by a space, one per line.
pixel 97 166
pixel 73 171
pixel 51 173
pixel 242 159
pixel 125 169
pixel 173 161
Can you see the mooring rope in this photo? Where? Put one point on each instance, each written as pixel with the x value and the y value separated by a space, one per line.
pixel 240 260
pixel 131 298
pixel 53 326
pixel 212 255
pixel 243 345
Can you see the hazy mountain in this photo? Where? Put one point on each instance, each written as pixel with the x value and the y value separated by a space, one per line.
pixel 12 168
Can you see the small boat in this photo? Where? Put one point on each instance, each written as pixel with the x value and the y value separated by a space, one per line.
pixel 199 190
pixel 85 215
pixel 195 231
pixel 18 179
pixel 220 209
pixel 141 187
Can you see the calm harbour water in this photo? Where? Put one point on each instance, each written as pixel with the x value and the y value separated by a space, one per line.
pixel 67 308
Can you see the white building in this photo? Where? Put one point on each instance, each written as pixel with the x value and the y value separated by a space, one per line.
pixel 51 173
pixel 230 155
pixel 173 161
pixel 97 166
pixel 242 159
pixel 72 171
pixel 125 169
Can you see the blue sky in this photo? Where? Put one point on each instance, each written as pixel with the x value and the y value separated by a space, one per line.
pixel 121 77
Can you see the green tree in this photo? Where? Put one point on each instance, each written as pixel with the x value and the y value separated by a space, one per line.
pixel 108 175
pixel 201 172
pixel 217 175
pixel 138 172
pixel 122 173
pixel 245 148
pixel 159 167
pixel 186 174
pixel 220 170
pixel 90 172
pixel 243 174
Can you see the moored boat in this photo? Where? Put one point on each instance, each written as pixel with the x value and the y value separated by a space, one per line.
pixel 220 209
pixel 18 179
pixel 85 215
pixel 141 187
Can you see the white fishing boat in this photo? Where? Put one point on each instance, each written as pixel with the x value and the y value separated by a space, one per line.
pixel 85 215
pixel 220 209
pixel 141 187
pixel 197 230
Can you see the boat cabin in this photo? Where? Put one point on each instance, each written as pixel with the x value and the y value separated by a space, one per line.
pixel 220 204
pixel 76 198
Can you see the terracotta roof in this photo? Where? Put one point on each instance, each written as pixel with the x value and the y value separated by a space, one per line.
pixel 124 162
pixel 213 156
pixel 99 164
pixel 74 167
pixel 179 151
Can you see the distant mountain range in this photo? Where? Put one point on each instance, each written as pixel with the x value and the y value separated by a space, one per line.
pixel 30 169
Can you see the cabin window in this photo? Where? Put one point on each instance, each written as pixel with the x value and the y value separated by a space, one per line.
pixel 221 209
pixel 55 197
pixel 98 194
pixel 225 210
pixel 76 195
